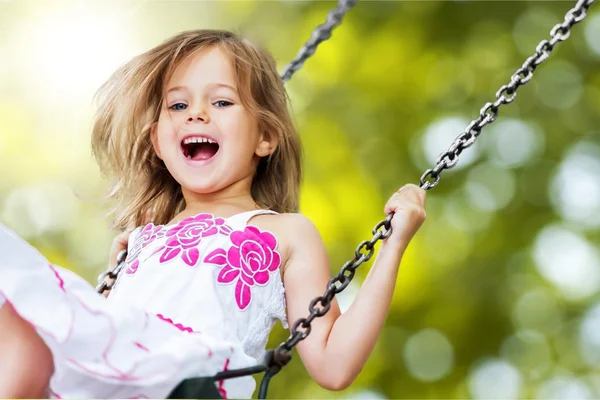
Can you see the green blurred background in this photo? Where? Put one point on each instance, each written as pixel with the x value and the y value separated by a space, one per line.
pixel 498 295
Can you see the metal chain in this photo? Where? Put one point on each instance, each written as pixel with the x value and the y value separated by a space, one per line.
pixel 112 275
pixel 319 34
pixel 363 252
pixel 505 95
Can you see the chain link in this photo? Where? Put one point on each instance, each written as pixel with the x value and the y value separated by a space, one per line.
pixel 505 95
pixel 319 34
pixel 363 252
pixel 106 280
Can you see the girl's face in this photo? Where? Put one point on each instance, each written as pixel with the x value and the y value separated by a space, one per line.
pixel 207 139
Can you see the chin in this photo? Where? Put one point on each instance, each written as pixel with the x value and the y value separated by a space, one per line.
pixel 205 187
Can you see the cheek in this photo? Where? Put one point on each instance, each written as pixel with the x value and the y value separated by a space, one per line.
pixel 165 142
pixel 166 129
pixel 248 129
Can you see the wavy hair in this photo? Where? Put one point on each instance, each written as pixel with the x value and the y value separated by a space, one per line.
pixel 130 102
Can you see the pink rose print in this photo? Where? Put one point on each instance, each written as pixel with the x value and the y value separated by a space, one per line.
pixel 184 238
pixel 148 234
pixel 248 262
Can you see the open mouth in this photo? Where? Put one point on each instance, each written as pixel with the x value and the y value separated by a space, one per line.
pixel 199 148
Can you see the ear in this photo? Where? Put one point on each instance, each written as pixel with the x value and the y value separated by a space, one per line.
pixel 154 139
pixel 266 145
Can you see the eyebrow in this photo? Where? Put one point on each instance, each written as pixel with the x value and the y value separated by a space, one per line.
pixel 185 88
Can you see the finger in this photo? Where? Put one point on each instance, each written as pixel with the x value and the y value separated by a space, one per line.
pixel 414 192
pixel 416 211
pixel 120 243
pixel 395 202
pixel 400 201
pixel 412 214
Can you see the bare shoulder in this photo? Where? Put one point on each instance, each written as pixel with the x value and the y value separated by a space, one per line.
pixel 292 230
pixel 284 226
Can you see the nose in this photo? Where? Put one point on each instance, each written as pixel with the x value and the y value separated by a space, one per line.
pixel 197 115
pixel 198 118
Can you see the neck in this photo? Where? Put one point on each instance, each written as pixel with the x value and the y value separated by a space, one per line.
pixel 228 201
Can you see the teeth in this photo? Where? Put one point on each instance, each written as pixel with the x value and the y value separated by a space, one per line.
pixel 198 140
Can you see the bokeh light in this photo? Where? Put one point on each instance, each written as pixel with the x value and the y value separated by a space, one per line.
pixel 490 188
pixel 529 351
pixel 589 339
pixel 513 143
pixel 532 24
pixel 564 388
pixel 559 85
pixel 575 189
pixel 537 310
pixel 568 261
pixel 428 355
pixel 495 379
pixel 592 33
pixel 44 208
pixel 440 134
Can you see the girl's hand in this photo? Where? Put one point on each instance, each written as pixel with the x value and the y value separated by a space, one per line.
pixel 119 244
pixel 408 206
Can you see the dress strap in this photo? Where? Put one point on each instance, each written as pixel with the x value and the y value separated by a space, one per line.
pixel 243 218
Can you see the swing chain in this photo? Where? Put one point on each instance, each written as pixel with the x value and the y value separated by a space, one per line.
pixel 319 34
pixel 487 115
pixel 319 306
pixel 112 275
pixel 505 95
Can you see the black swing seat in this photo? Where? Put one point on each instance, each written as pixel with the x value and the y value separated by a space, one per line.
pixel 196 388
pixel 205 388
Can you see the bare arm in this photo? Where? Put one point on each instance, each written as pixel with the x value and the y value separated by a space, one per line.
pixel 340 344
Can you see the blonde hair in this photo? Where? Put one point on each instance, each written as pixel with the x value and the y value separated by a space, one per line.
pixel 130 102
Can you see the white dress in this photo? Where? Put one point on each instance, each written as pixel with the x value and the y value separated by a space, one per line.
pixel 196 298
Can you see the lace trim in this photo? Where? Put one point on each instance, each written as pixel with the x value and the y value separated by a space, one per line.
pixel 255 341
pixel 280 305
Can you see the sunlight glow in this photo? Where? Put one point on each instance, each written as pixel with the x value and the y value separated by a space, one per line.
pixel 70 51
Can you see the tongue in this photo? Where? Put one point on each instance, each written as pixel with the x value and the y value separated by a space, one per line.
pixel 204 152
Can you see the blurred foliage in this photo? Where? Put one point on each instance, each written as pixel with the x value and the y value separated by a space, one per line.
pixel 497 295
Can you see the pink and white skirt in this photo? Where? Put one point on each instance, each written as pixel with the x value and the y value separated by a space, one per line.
pixel 106 350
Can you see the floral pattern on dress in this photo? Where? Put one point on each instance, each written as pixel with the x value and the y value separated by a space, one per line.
pixel 184 238
pixel 147 235
pixel 250 260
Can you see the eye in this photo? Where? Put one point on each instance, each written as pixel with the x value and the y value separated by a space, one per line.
pixel 222 103
pixel 178 107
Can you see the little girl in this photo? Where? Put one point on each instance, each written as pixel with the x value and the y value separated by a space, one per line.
pixel 197 134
